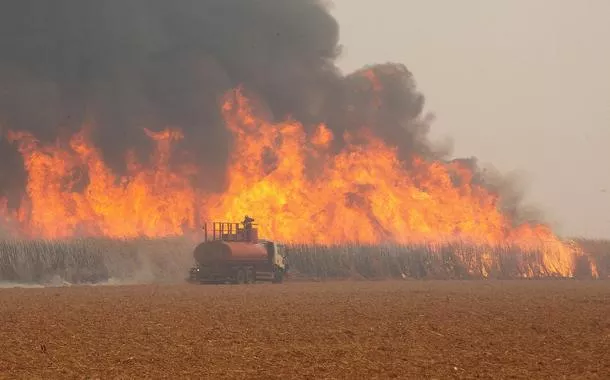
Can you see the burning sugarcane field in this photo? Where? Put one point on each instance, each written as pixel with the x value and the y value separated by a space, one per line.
pixel 201 189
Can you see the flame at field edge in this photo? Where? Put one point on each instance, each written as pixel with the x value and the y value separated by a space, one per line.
pixel 361 194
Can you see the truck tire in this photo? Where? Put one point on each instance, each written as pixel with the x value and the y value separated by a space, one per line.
pixel 240 278
pixel 250 276
pixel 278 277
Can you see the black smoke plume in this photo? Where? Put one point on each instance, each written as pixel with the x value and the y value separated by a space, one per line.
pixel 125 65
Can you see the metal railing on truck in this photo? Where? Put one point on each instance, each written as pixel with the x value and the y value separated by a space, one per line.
pixel 230 231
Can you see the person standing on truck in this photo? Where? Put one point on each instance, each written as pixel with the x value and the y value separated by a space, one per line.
pixel 248 226
pixel 248 222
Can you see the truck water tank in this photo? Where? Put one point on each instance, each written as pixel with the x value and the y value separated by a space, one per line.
pixel 215 252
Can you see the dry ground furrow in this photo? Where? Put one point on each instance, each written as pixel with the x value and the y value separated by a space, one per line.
pixel 527 329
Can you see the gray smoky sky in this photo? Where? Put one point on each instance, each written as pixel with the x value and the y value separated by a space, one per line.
pixel 156 63
pixel 523 85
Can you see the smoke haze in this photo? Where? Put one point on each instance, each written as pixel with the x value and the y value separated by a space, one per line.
pixel 123 66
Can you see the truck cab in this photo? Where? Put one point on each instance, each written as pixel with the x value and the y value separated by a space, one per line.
pixel 277 257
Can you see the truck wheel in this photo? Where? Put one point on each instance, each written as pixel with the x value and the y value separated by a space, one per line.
pixel 278 277
pixel 250 276
pixel 241 276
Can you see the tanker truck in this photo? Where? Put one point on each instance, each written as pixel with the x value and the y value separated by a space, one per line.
pixel 233 253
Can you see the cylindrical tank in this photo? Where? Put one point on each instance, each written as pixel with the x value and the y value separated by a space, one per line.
pixel 218 252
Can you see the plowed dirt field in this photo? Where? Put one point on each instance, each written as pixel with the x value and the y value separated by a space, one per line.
pixel 347 330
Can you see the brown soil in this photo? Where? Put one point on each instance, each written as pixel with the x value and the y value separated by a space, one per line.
pixel 349 330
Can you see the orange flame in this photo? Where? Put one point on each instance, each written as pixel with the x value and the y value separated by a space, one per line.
pixel 150 201
pixel 292 183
